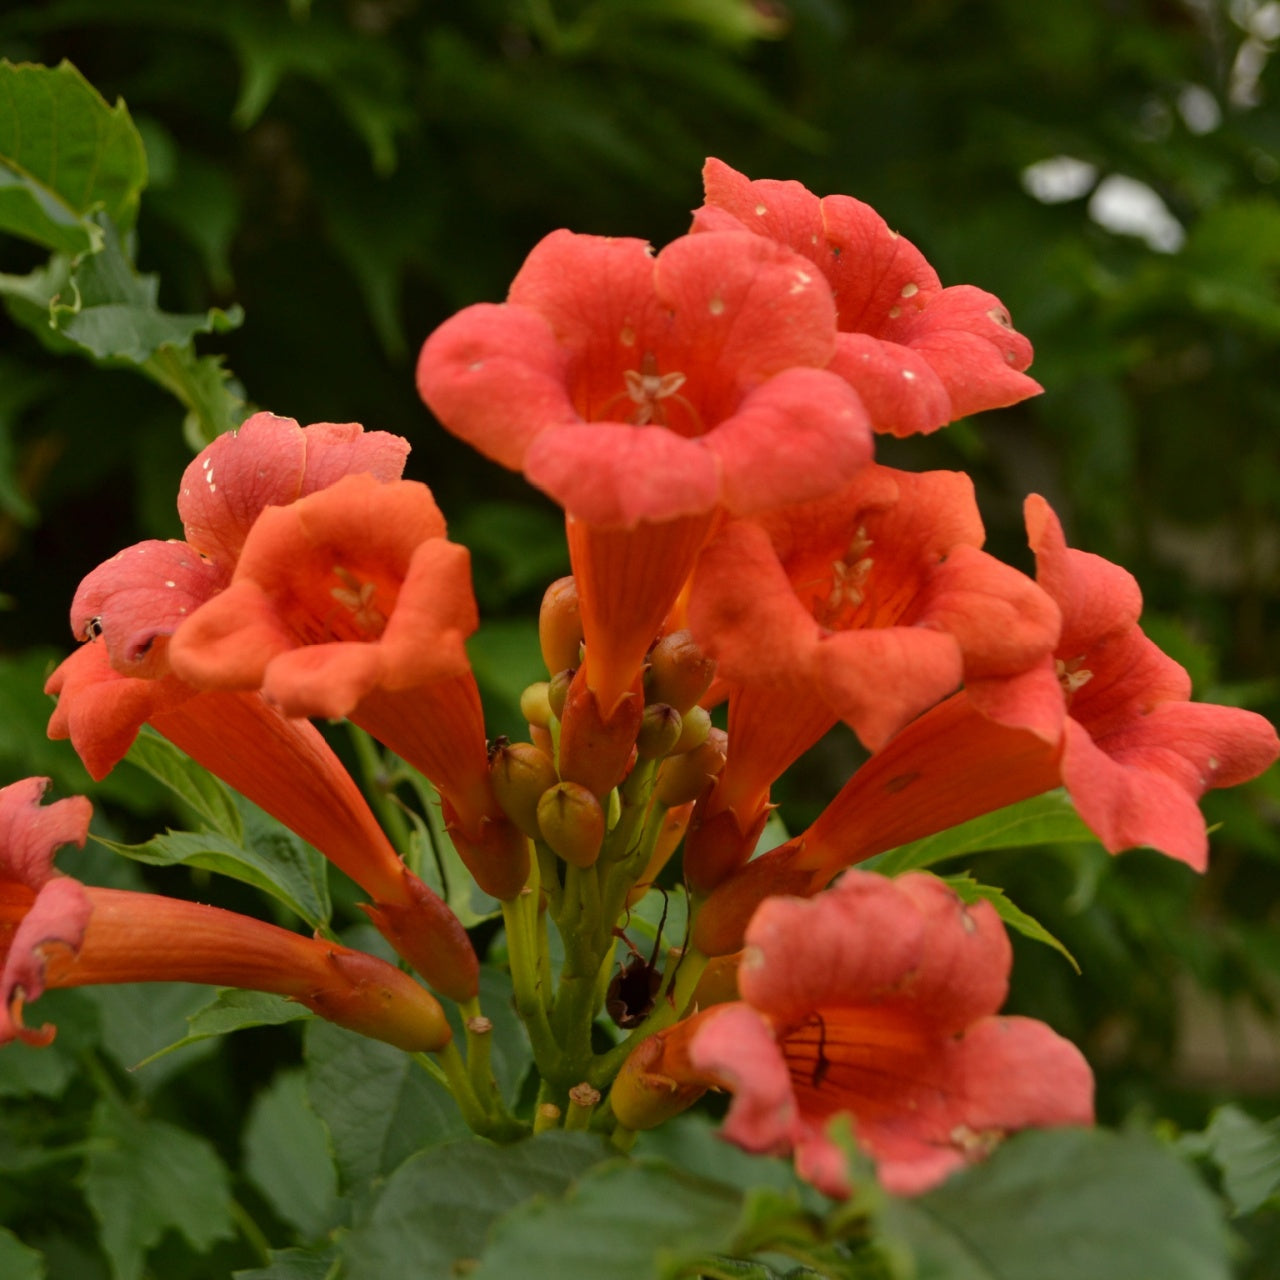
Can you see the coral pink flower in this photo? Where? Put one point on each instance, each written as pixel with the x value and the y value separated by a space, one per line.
pixel 868 606
pixel 919 355
pixel 56 932
pixel 877 1001
pixel 1133 752
pixel 644 394
pixel 143 593
pixel 284 766
pixel 351 602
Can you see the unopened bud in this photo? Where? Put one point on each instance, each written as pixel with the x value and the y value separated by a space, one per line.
pixel 660 728
pixel 594 751
pixel 572 823
pixel 679 671
pixel 521 773
pixel 684 778
pixel 534 704
pixel 558 691
pixel 560 625
pixel 694 729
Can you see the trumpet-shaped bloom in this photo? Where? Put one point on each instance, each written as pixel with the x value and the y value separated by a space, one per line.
pixel 876 1001
pixel 55 932
pixel 918 355
pixel 869 606
pixel 351 602
pixel 284 766
pixel 139 597
pixel 644 394
pixel 1133 752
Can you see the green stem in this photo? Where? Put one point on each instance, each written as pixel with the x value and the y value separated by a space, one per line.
pixel 377 783
pixel 253 1234
pixel 526 971
pixel 459 1084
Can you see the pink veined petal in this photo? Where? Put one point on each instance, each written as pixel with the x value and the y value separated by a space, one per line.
pixel 902 392
pixel 141 595
pixel 495 376
pixel 30 833
pixel 614 475
pixel 791 440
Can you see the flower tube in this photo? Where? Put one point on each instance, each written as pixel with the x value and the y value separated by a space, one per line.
pixel 56 932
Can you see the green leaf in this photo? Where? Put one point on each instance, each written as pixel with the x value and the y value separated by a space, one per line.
pixel 436 1209
pixel 286 1156
pixel 378 1104
pixel 1014 916
pixel 208 796
pixel 26 1071
pixel 112 312
pixel 628 1220
pixel 145 1177
pixel 143 1021
pixel 294 1264
pixel 17 1262
pixel 64 154
pixel 234 1010
pixel 1046 819
pixel 1067 1204
pixel 1246 1151
pixel 271 858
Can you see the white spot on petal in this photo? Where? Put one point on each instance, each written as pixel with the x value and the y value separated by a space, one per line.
pixel 908 375
pixel 761 210
pixel 910 290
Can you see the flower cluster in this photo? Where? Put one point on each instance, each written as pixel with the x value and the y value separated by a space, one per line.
pixel 706 417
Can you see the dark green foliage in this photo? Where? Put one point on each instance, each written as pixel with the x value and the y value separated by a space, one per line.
pixel 341 176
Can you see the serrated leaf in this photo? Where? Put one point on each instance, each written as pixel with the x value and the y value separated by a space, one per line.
pixel 17 1262
pixel 64 154
pixel 145 1177
pixel 1067 1204
pixel 234 1010
pixel 1012 914
pixel 272 859
pixel 377 1103
pixel 112 312
pixel 193 784
pixel 286 1156
pixel 436 1209
pixel 1047 819
pixel 1246 1151
pixel 628 1220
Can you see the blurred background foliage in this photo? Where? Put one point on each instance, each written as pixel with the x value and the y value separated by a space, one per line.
pixel 350 172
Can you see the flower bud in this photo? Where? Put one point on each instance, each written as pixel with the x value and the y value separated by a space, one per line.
pixel 496 852
pixel 684 778
pixel 535 705
pixel 660 729
pixel 521 773
pixel 693 731
pixel 594 751
pixel 717 846
pixel 426 932
pixel 656 1082
pixel 560 625
pixel 572 823
pixel 679 671
pixel 558 691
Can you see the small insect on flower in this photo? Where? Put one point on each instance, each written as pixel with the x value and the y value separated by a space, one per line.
pixel 633 992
